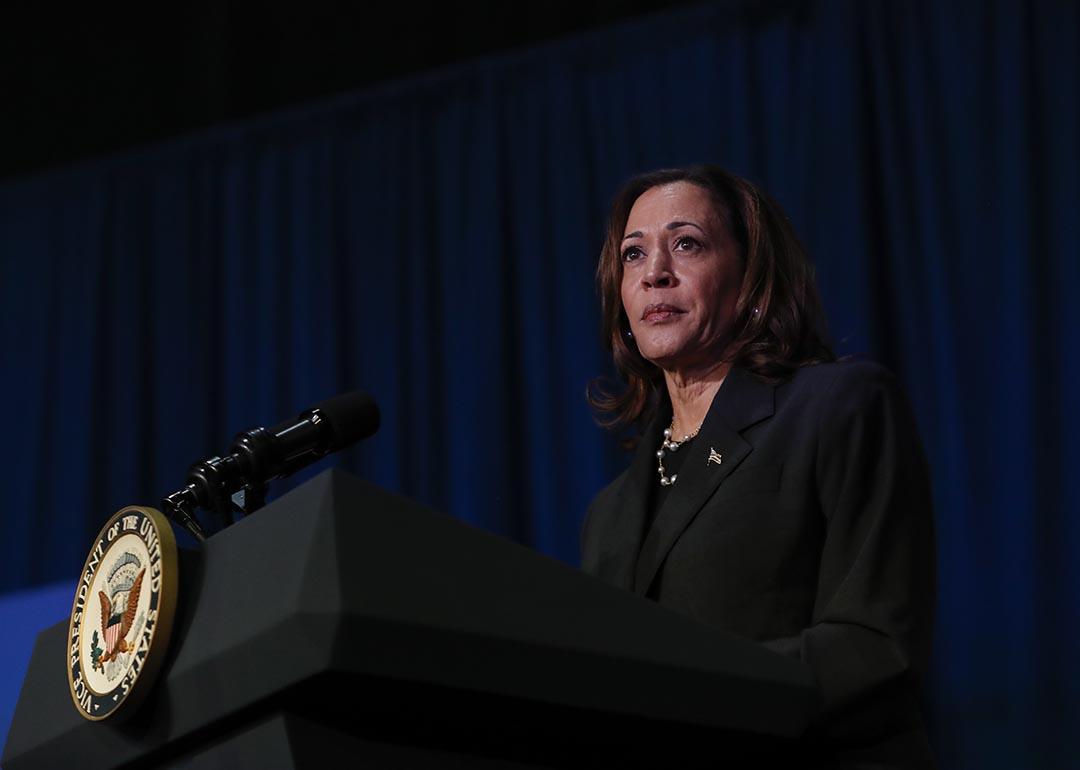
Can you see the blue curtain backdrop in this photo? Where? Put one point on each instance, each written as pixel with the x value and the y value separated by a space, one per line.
pixel 433 243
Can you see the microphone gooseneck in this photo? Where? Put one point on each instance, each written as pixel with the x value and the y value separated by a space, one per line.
pixel 237 482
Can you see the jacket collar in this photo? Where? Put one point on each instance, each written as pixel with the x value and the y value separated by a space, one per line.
pixel 740 402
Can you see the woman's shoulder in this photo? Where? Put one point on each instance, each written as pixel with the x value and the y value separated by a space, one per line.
pixel 599 517
pixel 606 496
pixel 844 391
pixel 843 378
pixel 845 394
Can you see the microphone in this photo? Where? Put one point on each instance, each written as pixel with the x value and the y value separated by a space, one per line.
pixel 260 455
pixel 265 454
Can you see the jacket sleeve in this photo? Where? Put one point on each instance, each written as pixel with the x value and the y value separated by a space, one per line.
pixel 870 634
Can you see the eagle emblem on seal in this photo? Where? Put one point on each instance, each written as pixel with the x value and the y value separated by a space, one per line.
pixel 120 606
pixel 113 656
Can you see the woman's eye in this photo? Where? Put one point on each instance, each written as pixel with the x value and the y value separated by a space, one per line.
pixel 686 243
pixel 630 254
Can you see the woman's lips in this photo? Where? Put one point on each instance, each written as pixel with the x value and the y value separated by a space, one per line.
pixel 660 312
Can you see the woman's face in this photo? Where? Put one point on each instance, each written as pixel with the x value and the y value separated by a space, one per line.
pixel 681 277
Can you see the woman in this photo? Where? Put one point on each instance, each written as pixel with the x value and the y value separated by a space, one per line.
pixel 775 492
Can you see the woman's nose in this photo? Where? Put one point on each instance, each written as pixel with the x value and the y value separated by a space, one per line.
pixel 658 275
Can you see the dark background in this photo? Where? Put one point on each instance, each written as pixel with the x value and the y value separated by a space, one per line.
pixel 84 81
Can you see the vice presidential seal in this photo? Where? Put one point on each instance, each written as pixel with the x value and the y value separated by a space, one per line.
pixel 122 615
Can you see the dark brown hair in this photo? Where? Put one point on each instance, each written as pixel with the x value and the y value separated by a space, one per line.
pixel 786 332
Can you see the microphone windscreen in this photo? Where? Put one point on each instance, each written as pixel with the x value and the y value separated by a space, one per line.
pixel 351 417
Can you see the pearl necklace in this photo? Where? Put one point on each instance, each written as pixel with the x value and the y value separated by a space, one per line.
pixel 671 446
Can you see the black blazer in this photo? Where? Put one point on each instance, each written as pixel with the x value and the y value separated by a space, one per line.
pixel 813 535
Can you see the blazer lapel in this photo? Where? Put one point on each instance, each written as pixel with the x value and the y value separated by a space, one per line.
pixel 739 403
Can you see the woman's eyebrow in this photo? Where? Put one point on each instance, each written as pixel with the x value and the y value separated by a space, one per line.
pixel 670 226
pixel 677 225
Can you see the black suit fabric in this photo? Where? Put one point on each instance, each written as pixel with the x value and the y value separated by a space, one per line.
pixel 812 535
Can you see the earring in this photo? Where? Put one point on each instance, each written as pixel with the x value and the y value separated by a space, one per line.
pixel 757 310
pixel 629 334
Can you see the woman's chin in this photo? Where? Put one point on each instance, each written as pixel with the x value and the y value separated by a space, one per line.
pixel 675 358
pixel 663 356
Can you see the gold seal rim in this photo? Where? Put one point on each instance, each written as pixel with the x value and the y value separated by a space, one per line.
pixel 162 634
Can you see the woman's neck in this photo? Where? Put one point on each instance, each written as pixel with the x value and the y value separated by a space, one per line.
pixel 691 393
